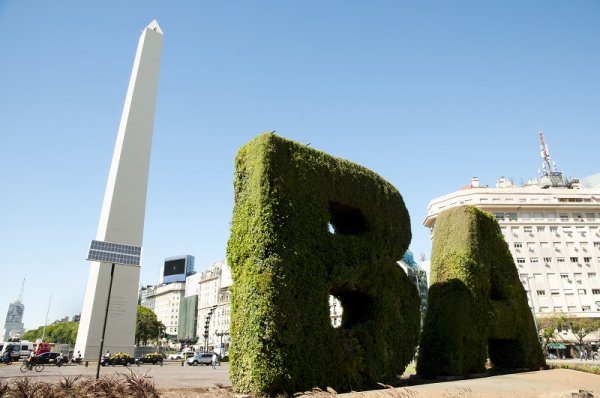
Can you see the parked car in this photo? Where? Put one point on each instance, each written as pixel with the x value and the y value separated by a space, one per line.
pixel 119 358
pixel 202 358
pixel 46 358
pixel 153 358
pixel 182 355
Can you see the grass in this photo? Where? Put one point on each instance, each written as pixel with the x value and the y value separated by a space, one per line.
pixel 125 386
pixel 582 368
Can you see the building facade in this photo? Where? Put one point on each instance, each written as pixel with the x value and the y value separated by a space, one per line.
pixel 13 325
pixel 213 306
pixel 552 229
pixel 165 301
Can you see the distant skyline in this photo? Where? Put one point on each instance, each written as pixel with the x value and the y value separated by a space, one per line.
pixel 425 94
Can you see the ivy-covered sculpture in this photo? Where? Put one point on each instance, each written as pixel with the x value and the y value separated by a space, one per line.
pixel 306 226
pixel 477 305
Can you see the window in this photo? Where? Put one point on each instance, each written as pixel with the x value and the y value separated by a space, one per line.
pixel 544 245
pixel 554 293
pixel 521 260
pixel 531 246
pixel 564 217
pixel 551 217
pixel 499 216
pixel 564 276
pixel 597 245
pixel 587 260
pixel 581 291
pixel 525 216
pixel 527 230
pixel 547 260
pixel 534 260
pixel 591 275
pixel 595 291
pixel 538 216
pixel 518 245
pixel 574 259
pixel 585 308
pixel 541 292
pixel 511 216
pixel 541 229
pixel 560 259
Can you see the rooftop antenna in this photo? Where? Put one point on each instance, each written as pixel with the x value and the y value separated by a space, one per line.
pixel 549 167
pixel 20 299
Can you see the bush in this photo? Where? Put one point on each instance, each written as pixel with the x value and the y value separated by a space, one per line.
pixel 286 262
pixel 477 303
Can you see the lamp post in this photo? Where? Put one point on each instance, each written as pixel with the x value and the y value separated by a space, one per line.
pixel 221 334
pixel 114 253
pixel 532 306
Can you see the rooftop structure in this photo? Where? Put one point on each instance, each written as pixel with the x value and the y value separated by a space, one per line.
pixel 552 228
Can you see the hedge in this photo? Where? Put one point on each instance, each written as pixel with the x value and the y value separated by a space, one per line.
pixel 477 305
pixel 305 226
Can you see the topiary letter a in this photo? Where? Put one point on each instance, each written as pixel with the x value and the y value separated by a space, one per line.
pixel 477 304
pixel 306 226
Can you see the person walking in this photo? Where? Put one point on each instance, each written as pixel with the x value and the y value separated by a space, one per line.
pixel 214 360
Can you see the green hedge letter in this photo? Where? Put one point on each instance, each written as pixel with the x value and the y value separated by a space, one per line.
pixel 477 304
pixel 306 226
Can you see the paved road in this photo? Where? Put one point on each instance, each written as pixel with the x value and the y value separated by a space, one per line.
pixel 548 384
pixel 172 374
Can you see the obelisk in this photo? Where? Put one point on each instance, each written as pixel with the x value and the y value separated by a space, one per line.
pixel 123 209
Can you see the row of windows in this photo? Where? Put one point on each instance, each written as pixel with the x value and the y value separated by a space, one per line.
pixel 555 292
pixel 539 216
pixel 548 260
pixel 558 246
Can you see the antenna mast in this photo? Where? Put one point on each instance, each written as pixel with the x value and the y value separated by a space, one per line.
pixel 20 299
pixel 545 155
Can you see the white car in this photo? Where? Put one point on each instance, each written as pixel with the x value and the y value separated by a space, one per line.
pixel 204 358
pixel 182 355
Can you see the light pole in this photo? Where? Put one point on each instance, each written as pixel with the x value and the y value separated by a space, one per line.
pixel 532 306
pixel 114 253
pixel 221 334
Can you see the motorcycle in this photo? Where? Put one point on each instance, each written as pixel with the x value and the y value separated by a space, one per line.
pixel 6 358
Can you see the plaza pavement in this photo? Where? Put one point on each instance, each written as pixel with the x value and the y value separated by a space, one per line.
pixel 556 383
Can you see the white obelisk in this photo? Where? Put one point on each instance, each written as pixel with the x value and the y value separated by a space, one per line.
pixel 122 216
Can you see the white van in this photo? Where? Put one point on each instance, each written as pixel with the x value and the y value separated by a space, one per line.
pixel 13 346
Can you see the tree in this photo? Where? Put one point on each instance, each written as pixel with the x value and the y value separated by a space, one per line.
pixel 147 325
pixel 60 333
pixel 581 327
pixel 547 327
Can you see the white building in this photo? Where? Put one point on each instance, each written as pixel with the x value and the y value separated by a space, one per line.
pixel 553 232
pixel 214 304
pixel 164 300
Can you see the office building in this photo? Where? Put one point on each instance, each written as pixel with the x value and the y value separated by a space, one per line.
pixel 552 228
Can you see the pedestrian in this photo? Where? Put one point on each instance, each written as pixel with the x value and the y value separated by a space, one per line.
pixel 214 360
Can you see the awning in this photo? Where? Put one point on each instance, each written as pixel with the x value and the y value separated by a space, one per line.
pixel 554 346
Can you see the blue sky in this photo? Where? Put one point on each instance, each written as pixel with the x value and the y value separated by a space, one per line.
pixel 425 93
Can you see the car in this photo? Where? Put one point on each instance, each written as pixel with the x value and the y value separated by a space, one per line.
pixel 152 358
pixel 182 355
pixel 202 358
pixel 46 358
pixel 119 358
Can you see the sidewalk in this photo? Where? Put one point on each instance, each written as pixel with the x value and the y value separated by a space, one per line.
pixel 555 383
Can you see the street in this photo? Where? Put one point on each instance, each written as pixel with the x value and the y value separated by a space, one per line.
pixel 171 374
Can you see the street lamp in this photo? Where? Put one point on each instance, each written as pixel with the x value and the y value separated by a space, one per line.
pixel 221 334
pixel 532 306
pixel 114 253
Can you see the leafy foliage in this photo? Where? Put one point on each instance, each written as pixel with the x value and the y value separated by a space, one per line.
pixel 285 263
pixel 60 333
pixel 477 304
pixel 147 326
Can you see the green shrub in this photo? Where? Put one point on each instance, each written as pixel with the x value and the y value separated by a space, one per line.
pixel 286 263
pixel 477 304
